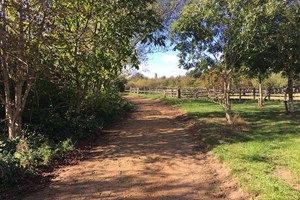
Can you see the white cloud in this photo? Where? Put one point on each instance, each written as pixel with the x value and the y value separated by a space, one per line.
pixel 169 58
pixel 171 70
pixel 146 71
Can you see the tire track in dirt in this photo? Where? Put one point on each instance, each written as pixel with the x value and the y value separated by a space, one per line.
pixel 149 155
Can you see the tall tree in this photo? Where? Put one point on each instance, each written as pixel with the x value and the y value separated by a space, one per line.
pixel 270 38
pixel 97 40
pixel 86 44
pixel 287 42
pixel 256 44
pixel 23 31
pixel 205 34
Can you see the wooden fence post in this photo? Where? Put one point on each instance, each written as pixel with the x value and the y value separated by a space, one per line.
pixel 178 93
pixel 254 93
pixel 165 94
pixel 269 94
pixel 240 94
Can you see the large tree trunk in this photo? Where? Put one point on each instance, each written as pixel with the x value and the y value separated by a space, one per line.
pixel 290 91
pixel 14 126
pixel 16 92
pixel 12 100
pixel 260 99
pixel 13 111
pixel 14 107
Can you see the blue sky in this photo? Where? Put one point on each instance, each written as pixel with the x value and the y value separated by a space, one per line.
pixel 162 63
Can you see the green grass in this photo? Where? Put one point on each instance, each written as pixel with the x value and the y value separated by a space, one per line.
pixel 267 140
pixel 151 96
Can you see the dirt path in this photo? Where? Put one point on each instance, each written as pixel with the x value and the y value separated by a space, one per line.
pixel 150 155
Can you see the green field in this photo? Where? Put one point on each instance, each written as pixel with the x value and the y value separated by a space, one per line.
pixel 262 142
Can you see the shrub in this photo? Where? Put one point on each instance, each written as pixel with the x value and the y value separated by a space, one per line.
pixel 50 133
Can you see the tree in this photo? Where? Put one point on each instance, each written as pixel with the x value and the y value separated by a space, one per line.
pixel 287 42
pixel 270 37
pixel 23 32
pixel 195 73
pixel 258 65
pixel 97 40
pixel 79 44
pixel 258 47
pixel 205 34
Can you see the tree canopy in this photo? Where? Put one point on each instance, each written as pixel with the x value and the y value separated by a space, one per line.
pixel 80 45
pixel 259 36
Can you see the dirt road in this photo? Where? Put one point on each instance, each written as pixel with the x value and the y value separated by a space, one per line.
pixel 150 155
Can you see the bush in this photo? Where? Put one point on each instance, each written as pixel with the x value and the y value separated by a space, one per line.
pixel 51 133
pixel 26 153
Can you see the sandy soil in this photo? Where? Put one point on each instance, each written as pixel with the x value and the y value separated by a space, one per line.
pixel 150 155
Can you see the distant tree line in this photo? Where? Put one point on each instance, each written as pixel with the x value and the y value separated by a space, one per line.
pixel 207 80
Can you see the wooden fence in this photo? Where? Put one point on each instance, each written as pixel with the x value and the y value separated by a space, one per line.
pixel 238 94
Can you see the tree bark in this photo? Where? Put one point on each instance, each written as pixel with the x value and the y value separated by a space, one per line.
pixel 14 108
pixel 260 99
pixel 17 73
pixel 227 103
pixel 15 126
pixel 290 90
pixel 81 94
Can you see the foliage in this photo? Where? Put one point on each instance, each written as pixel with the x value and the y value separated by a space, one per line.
pixel 206 37
pixel 114 31
pixel 59 68
pixel 26 153
pixel 152 83
pixel 77 45
pixel 204 34
pixel 208 79
pixel 23 33
pixel 54 132
pixel 196 73
pixel 269 40
pixel 273 81
pixel 258 38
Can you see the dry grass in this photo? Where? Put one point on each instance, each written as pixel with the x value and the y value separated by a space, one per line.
pixel 239 122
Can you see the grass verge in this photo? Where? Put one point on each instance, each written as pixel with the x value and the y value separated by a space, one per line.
pixel 263 141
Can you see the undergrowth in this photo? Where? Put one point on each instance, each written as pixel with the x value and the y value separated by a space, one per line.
pixel 51 133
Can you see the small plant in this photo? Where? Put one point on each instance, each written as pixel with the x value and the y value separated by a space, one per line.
pixel 238 121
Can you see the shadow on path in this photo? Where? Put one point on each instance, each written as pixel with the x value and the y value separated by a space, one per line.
pixel 149 155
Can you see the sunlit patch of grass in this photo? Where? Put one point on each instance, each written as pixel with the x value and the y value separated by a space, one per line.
pixel 271 138
pixel 150 96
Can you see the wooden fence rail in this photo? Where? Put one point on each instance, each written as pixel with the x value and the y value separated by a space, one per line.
pixel 239 94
